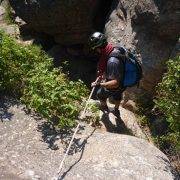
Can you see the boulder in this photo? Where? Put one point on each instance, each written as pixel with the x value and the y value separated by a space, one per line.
pixel 70 22
pixel 149 27
pixel 12 29
pixel 2 13
pixel 31 149
pixel 126 123
pixel 112 156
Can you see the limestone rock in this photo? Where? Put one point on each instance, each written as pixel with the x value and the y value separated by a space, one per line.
pixel 112 156
pixel 28 151
pixel 149 27
pixel 70 22
pixel 19 21
pixel 2 13
pixel 126 123
pixel 12 29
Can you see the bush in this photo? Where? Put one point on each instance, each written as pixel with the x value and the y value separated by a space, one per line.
pixel 168 101
pixel 51 94
pixel 27 72
pixel 16 62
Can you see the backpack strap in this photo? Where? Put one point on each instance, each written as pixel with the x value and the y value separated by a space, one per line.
pixel 119 52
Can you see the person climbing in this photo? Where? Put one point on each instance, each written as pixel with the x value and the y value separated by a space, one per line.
pixel 109 73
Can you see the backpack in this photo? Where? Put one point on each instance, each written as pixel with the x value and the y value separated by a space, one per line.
pixel 132 70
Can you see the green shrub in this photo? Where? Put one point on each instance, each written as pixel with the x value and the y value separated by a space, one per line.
pixel 51 94
pixel 168 100
pixel 143 120
pixel 93 108
pixel 28 72
pixel 16 62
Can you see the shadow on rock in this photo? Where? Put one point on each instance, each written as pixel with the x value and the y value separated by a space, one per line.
pixel 5 104
pixel 51 135
pixel 168 167
pixel 77 146
pixel 118 126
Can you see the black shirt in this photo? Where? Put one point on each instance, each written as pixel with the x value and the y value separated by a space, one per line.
pixel 114 69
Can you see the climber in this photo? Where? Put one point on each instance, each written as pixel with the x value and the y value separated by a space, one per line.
pixel 109 72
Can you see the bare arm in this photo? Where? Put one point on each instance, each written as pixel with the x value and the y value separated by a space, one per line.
pixel 112 84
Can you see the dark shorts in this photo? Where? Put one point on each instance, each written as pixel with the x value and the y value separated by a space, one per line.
pixel 103 94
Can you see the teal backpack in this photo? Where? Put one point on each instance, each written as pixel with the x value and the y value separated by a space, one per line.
pixel 132 70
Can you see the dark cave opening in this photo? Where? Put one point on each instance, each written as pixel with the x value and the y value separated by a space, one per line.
pixel 101 15
pixel 81 62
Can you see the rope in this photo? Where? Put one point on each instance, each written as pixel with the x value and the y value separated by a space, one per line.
pixel 89 97
pixel 88 101
pixel 67 151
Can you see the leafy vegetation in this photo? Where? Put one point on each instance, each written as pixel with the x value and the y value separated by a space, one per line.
pixel 16 62
pixel 168 101
pixel 159 116
pixel 93 109
pixel 162 113
pixel 27 72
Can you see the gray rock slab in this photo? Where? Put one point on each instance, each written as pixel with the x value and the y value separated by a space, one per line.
pixel 145 26
pixel 70 22
pixel 2 12
pixel 12 29
pixel 29 149
pixel 126 123
pixel 112 156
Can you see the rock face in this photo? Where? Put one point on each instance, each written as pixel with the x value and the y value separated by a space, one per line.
pixel 149 27
pixel 11 29
pixel 31 149
pixel 70 22
pixel 112 156
pixel 2 13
